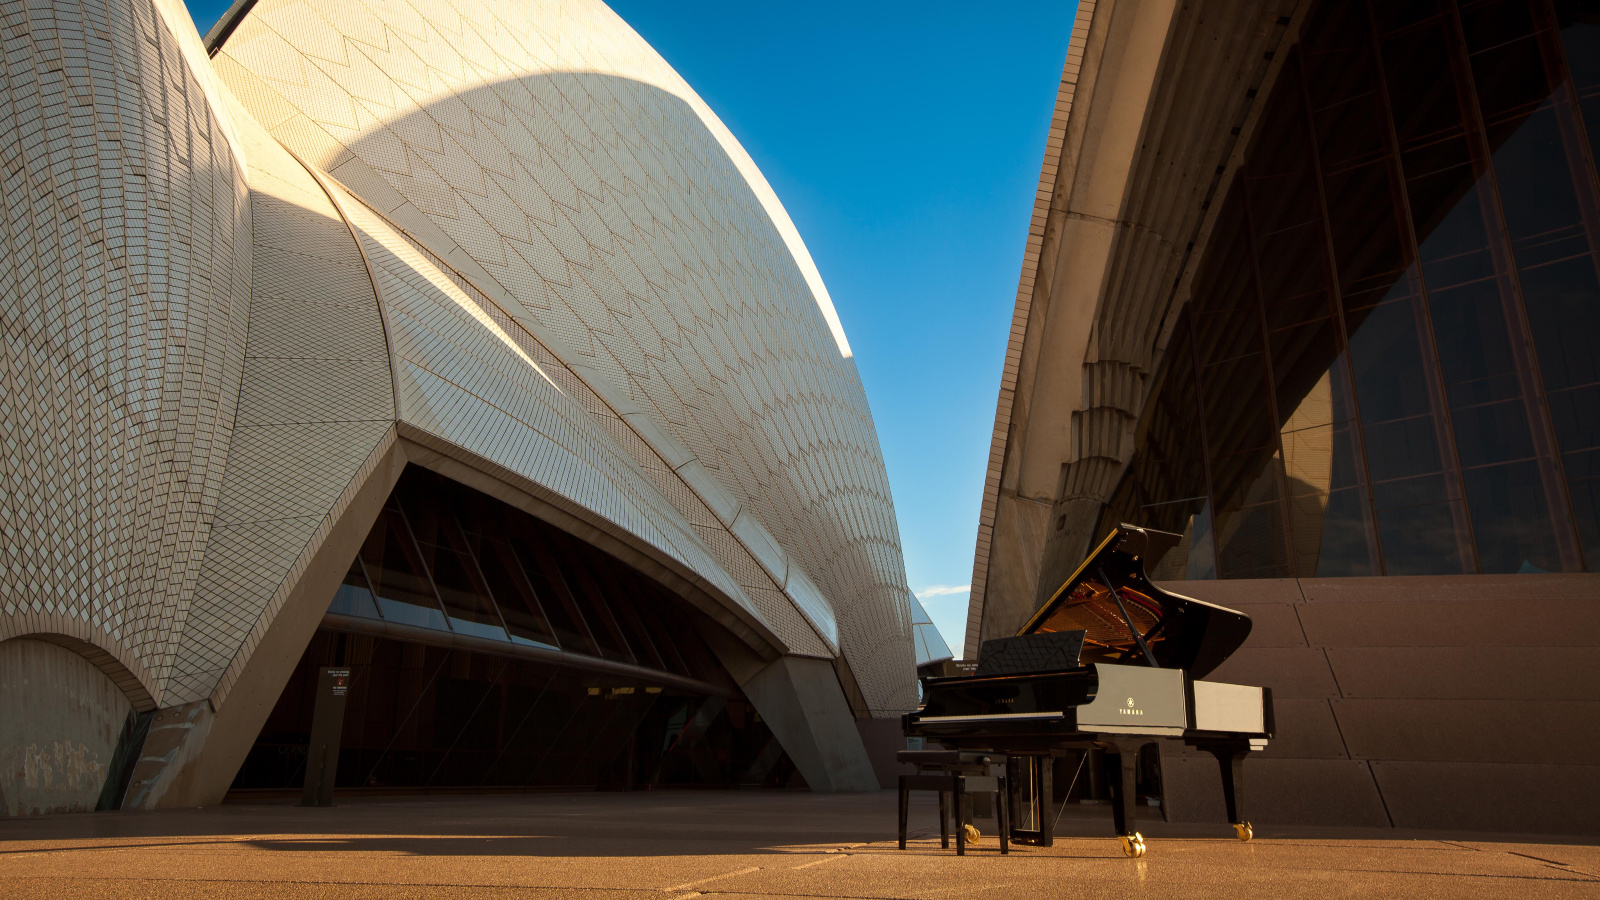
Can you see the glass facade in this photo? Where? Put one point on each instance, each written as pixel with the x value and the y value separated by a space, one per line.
pixel 1388 365
pixel 600 677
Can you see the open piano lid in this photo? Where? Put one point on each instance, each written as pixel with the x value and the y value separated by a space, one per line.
pixel 1180 632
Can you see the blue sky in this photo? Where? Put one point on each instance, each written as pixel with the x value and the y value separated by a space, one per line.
pixel 904 139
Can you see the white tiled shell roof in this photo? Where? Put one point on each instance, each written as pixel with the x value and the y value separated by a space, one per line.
pixel 559 161
pixel 506 227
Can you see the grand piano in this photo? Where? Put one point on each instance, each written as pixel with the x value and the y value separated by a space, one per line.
pixel 1110 662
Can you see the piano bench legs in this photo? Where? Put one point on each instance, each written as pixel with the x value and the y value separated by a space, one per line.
pixel 953 789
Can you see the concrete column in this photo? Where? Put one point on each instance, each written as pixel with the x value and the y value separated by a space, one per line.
pixel 800 700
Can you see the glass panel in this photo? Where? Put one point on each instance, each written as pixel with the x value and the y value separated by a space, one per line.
pixel 1510 518
pixel 1579 21
pixel 1326 501
pixel 1294 276
pixel 1537 190
pixel 1421 540
pixel 1394 14
pixel 1238 415
pixel 1279 179
pixel 1511 77
pixel 1369 255
pixel 354 597
pixel 572 632
pixel 1251 543
pixel 538 703
pixel 465 717
pixel 1342 83
pixel 405 594
pixel 1397 452
pixel 519 605
pixel 1386 360
pixel 1496 22
pixel 622 591
pixel 591 600
pixel 1300 360
pixel 465 597
pixel 1424 320
pixel 1563 304
pixel 1583 479
pixel 1448 212
pixel 1344 547
pixel 1201 544
pixel 651 608
pixel 1563 307
pixel 1422 90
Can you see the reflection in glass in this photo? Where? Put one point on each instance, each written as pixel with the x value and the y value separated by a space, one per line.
pixel 422 716
pixel 448 558
pixel 353 597
pixel 404 593
pixel 1392 333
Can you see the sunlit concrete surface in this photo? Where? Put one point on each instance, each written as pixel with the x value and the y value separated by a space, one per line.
pixel 733 844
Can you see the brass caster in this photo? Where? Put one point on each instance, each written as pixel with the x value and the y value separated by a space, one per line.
pixel 1243 831
pixel 1133 845
pixel 973 834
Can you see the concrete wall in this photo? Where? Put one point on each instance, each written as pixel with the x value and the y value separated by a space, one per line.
pixel 60 718
pixel 1468 701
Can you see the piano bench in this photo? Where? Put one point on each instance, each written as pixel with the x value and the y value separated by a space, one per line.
pixel 954 775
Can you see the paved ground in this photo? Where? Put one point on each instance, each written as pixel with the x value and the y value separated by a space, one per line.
pixel 731 845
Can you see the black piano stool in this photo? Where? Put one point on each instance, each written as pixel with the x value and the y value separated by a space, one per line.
pixel 954 775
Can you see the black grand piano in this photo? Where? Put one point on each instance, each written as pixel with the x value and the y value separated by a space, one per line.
pixel 1109 662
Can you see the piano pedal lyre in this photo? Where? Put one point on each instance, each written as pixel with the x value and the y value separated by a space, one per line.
pixel 1133 845
pixel 1243 831
pixel 973 834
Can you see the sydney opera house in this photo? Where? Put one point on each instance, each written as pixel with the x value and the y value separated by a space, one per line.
pixel 1316 285
pixel 456 345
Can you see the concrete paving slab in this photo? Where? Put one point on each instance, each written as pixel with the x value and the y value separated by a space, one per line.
pixel 718 844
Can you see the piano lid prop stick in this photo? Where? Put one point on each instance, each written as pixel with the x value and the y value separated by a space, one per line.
pixel 1132 628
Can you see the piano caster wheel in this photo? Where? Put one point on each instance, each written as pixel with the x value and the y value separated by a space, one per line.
pixel 973 834
pixel 1133 845
pixel 1243 830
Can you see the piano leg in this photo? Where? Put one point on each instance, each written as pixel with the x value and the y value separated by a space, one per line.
pixel 905 796
pixel 1002 802
pixel 1122 774
pixel 1046 800
pixel 944 823
pixel 958 807
pixel 1230 759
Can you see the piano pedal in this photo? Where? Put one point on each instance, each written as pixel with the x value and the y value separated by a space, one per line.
pixel 1133 845
pixel 1243 831
pixel 973 834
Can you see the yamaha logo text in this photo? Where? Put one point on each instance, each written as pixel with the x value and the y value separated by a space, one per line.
pixel 1130 710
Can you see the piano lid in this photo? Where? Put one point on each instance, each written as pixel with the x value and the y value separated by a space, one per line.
pixel 1177 631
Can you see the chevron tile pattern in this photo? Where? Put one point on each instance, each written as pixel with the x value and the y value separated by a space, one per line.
pixel 506 231
pixel 316 404
pixel 547 152
pixel 124 293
